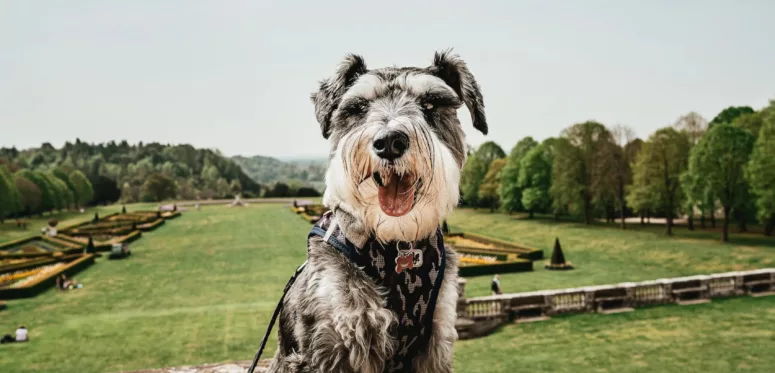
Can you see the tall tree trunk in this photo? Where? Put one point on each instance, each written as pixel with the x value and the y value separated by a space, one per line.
pixel 587 219
pixel 669 225
pixel 713 218
pixel 725 228
pixel 702 219
pixel 648 216
pixel 642 216
pixel 691 221
pixel 742 224
pixel 770 226
pixel 623 215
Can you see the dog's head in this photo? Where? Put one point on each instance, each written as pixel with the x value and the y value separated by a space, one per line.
pixel 397 145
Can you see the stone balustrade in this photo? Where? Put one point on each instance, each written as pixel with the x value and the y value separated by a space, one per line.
pixel 623 297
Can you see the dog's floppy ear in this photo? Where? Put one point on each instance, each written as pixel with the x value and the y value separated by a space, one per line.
pixel 327 99
pixel 453 71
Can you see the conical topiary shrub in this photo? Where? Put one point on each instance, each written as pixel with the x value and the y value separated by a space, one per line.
pixel 444 228
pixel 96 217
pixel 90 245
pixel 558 258
pixel 123 209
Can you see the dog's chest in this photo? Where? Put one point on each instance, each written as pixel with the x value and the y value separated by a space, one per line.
pixel 410 274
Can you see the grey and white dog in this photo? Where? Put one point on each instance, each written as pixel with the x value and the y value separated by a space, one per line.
pixel 397 148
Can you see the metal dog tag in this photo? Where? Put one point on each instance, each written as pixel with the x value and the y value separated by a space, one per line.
pixel 407 258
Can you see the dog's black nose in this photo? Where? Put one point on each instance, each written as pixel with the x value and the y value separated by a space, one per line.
pixel 390 144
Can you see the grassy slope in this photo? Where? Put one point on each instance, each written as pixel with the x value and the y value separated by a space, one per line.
pixel 605 254
pixel 201 289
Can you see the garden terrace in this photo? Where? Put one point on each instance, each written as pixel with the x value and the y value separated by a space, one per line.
pixel 38 246
pixel 481 255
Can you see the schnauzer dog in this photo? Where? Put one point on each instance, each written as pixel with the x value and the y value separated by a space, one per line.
pixel 379 290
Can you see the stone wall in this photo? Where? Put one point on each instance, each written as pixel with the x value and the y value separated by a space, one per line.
pixel 624 297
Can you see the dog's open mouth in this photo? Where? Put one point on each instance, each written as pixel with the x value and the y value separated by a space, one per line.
pixel 396 193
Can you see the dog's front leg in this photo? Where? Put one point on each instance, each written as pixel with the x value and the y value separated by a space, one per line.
pixel 349 323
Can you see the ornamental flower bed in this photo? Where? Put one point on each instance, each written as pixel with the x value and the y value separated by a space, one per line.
pixel 481 255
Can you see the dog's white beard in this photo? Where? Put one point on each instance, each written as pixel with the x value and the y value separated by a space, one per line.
pixel 347 189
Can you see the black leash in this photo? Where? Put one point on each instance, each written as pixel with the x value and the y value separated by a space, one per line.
pixel 274 318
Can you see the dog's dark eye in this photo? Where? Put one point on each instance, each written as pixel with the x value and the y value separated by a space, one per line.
pixel 354 107
pixel 431 101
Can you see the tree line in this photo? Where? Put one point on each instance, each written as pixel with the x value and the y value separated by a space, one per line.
pixel 702 170
pixel 43 179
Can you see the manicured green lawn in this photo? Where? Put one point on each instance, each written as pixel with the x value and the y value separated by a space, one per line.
pixel 607 255
pixel 9 231
pixel 736 335
pixel 201 289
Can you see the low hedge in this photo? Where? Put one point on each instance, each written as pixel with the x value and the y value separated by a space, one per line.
pixel 147 227
pixel 27 264
pixel 63 243
pixel 43 283
pixel 520 265
pixel 170 214
pixel 10 244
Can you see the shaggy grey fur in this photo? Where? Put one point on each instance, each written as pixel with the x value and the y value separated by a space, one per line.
pixel 334 317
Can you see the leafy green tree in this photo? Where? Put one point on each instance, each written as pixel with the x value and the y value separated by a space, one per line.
pixel 488 190
pixel 719 160
pixel 29 194
pixel 128 194
pixel 728 115
pixel 222 187
pixel 10 201
pixel 235 186
pixel 41 181
pixel 576 179
pixel 510 192
pixel 760 172
pixel 658 169
pixel 535 179
pixel 63 173
pixel 753 122
pixel 476 168
pixel 64 196
pixel 158 188
pixel 84 193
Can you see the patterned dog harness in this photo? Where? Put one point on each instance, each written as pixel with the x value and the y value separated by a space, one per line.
pixel 410 272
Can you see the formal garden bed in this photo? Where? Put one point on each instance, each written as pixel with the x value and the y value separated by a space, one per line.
pixel 29 282
pixel 310 212
pixel 31 265
pixel 480 255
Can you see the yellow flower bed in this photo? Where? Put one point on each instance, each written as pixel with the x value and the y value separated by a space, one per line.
pixel 42 271
pixel 13 276
pixel 472 259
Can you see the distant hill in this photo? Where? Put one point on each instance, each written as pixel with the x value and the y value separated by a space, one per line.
pixel 120 169
pixel 299 172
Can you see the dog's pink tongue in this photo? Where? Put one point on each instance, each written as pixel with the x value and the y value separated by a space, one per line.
pixel 397 196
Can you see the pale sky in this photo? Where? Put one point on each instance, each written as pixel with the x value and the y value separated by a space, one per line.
pixel 236 75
